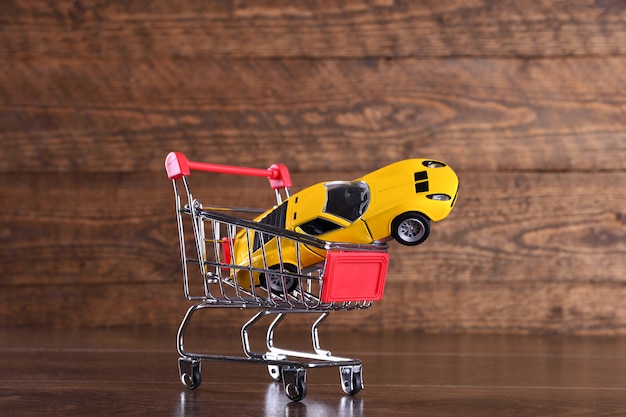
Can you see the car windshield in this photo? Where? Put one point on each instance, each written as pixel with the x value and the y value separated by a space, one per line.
pixel 348 200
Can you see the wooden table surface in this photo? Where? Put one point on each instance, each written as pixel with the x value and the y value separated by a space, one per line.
pixel 123 372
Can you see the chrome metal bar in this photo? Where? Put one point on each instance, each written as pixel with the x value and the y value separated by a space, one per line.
pixel 315 337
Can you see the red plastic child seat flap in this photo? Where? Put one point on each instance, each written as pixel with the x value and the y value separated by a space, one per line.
pixel 354 276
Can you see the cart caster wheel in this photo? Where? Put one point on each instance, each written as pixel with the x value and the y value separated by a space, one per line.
pixel 295 392
pixel 190 374
pixel 351 379
pixel 294 380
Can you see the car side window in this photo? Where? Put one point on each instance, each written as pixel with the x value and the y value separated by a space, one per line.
pixel 347 199
pixel 318 226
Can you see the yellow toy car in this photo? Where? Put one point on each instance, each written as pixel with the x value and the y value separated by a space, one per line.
pixel 397 201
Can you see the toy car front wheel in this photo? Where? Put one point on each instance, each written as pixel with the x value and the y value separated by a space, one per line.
pixel 410 228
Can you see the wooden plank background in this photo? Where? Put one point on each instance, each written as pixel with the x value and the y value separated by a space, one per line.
pixel 525 99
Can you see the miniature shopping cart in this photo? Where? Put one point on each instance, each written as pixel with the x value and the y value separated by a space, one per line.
pixel 216 274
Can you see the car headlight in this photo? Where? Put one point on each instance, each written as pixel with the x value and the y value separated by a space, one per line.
pixel 439 197
pixel 433 164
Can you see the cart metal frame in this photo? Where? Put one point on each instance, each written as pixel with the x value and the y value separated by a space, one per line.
pixel 209 269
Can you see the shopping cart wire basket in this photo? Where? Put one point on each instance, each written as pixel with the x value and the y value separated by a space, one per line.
pixel 230 261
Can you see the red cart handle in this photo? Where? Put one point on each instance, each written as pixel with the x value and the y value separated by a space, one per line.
pixel 177 166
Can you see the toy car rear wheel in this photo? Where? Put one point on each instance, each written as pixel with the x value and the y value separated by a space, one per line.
pixel 275 281
pixel 410 228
